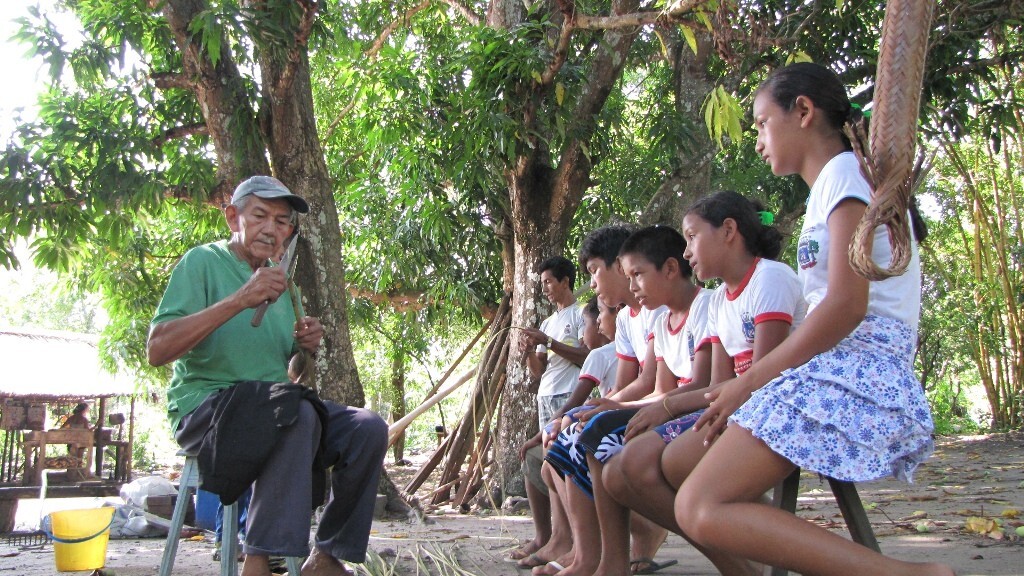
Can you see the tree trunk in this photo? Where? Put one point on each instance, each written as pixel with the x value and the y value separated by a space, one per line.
pixel 286 129
pixel 691 179
pixel 221 94
pixel 398 399
pixel 543 200
pixel 298 160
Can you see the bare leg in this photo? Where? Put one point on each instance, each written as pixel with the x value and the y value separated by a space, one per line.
pixel 560 542
pixel 647 537
pixel 634 478
pixel 614 521
pixel 718 506
pixel 321 564
pixel 256 565
pixel 540 509
pixel 586 532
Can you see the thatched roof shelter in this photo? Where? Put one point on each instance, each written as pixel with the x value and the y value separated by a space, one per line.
pixel 46 367
pixel 49 366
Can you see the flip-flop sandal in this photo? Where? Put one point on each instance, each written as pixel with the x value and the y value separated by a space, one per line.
pixel 649 565
pixel 550 569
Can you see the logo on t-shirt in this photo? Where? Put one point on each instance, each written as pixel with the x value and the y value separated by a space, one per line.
pixel 748 327
pixel 807 253
pixel 690 345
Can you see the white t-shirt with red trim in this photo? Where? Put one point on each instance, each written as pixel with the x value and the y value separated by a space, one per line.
pixel 633 330
pixel 677 346
pixel 898 297
pixel 600 368
pixel 770 291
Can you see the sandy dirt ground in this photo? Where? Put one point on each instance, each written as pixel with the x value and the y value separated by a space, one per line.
pixel 965 497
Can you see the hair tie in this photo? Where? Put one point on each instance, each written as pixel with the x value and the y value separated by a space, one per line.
pixel 767 218
pixel 859 111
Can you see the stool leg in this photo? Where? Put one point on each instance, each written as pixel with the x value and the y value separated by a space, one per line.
pixel 853 512
pixel 229 541
pixel 189 479
pixel 784 498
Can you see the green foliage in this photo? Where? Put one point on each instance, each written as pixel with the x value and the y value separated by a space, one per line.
pixel 419 134
pixel 37 298
pixel 722 115
pixel 430 348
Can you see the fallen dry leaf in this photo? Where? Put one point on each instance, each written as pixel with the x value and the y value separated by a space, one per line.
pixel 984 526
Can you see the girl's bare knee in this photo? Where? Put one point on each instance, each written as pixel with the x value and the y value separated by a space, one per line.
pixel 613 478
pixel 692 514
pixel 641 464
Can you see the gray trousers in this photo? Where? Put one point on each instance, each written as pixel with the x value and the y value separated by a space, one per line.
pixel 279 514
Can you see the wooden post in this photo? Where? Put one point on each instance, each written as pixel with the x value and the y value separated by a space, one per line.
pixel 97 436
pixel 131 441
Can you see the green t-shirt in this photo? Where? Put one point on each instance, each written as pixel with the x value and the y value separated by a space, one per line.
pixel 234 352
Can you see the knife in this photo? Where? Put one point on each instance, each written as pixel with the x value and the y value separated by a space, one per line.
pixel 286 262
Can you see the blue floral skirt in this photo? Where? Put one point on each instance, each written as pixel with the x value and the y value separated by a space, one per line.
pixel 854 413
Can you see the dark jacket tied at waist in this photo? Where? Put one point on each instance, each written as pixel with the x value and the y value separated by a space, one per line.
pixel 248 419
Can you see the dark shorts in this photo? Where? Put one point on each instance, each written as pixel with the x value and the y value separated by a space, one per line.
pixel 601 437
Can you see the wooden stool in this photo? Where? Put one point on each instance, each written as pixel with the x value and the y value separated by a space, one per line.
pixel 229 539
pixel 784 497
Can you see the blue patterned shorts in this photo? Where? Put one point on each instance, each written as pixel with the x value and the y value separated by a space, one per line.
pixel 602 437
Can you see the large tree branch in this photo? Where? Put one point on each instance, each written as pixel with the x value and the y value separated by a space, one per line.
pixel 221 94
pixel 309 9
pixel 388 30
pixel 181 132
pixel 671 15
pixel 165 80
pixel 568 8
pixel 467 13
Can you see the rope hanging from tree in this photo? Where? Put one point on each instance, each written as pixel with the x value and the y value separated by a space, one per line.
pixel 889 164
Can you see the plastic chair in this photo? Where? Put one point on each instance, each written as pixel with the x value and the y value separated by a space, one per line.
pixel 229 540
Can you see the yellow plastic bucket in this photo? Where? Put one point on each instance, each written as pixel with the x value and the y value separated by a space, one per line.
pixel 80 538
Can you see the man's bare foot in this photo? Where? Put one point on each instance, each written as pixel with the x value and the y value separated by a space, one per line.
pixel 256 565
pixel 323 564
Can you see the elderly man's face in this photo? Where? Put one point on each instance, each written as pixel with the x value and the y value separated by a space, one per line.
pixel 260 228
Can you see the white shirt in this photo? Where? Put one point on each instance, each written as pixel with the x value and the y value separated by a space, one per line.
pixel 677 346
pixel 633 330
pixel 561 375
pixel 898 297
pixel 599 368
pixel 771 291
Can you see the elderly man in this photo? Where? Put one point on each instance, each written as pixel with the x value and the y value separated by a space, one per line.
pixel 225 401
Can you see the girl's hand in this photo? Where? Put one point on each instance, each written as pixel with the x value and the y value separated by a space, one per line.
pixel 597 406
pixel 551 431
pixel 723 400
pixel 646 419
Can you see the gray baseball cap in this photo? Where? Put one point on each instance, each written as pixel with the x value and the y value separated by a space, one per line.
pixel 268 187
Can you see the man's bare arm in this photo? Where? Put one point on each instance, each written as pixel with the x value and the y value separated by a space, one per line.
pixel 172 339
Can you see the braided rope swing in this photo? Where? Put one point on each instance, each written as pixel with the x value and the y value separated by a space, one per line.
pixel 889 164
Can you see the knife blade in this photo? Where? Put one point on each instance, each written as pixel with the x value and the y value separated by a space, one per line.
pixel 286 262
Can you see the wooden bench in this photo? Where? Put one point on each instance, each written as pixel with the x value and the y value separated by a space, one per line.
pixel 34 444
pixel 784 497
